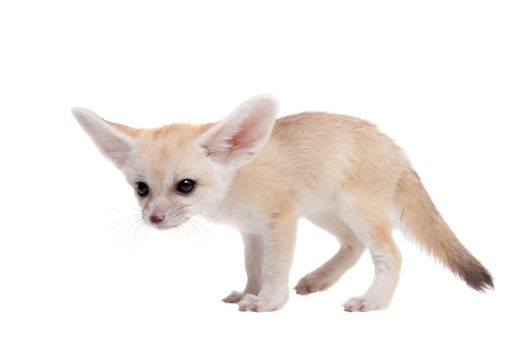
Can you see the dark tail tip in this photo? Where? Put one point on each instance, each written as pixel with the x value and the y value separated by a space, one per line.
pixel 477 277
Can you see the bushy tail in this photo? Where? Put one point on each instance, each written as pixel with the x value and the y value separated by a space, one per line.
pixel 422 221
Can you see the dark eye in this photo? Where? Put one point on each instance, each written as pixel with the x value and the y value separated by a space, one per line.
pixel 142 189
pixel 185 186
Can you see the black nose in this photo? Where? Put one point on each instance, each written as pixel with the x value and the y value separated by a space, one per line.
pixel 157 219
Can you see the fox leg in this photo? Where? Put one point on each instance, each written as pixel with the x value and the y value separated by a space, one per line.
pixel 349 253
pixel 376 235
pixel 278 244
pixel 253 256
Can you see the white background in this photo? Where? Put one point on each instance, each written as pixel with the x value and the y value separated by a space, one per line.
pixel 444 79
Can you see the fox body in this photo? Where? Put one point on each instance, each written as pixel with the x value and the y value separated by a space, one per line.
pixel 260 175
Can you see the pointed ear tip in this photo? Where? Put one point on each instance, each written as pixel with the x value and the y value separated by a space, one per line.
pixel 78 112
pixel 268 98
pixel 269 101
pixel 83 115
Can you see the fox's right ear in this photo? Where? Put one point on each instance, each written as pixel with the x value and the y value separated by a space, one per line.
pixel 111 139
pixel 237 138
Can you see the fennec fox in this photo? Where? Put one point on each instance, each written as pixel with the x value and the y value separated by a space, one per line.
pixel 260 175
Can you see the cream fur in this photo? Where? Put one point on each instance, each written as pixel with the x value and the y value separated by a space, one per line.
pixel 259 177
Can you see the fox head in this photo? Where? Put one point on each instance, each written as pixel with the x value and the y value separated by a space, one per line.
pixel 182 170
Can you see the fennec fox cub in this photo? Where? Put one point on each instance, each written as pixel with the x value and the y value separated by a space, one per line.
pixel 260 175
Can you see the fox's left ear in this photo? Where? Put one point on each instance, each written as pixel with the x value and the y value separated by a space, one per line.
pixel 236 139
pixel 113 140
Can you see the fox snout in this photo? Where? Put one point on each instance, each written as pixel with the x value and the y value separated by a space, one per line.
pixel 163 216
pixel 157 218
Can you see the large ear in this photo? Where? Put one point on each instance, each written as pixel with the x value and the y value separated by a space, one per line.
pixel 110 138
pixel 237 138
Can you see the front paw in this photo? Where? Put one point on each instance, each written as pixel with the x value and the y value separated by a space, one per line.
pixel 234 297
pixel 256 303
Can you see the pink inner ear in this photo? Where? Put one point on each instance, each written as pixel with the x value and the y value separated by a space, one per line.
pixel 247 135
pixel 238 139
pixel 241 142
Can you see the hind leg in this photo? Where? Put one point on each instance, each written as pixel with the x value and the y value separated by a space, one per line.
pixel 330 272
pixel 374 231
